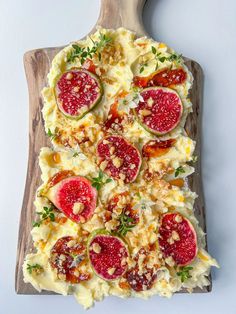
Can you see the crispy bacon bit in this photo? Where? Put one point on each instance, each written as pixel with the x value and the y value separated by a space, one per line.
pixel 156 148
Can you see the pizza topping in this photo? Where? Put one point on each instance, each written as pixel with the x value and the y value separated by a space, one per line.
pixel 177 239
pixel 109 262
pixel 166 110
pixel 67 258
pixel 156 148
pixel 78 94
pixel 118 164
pixel 75 197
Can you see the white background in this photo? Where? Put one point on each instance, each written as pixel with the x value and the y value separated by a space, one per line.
pixel 204 30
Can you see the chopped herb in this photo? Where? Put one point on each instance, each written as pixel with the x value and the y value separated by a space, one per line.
pixel 154 51
pixel 142 67
pixel 179 170
pixel 184 273
pixel 99 181
pixel 161 58
pixel 45 214
pixel 34 268
pixel 139 195
pixel 126 224
pixel 52 135
pixel 84 52
pixel 75 154
pixel 194 159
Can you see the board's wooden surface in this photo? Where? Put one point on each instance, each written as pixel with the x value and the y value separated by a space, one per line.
pixel 37 64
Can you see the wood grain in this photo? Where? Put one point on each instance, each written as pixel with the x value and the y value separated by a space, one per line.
pixel 37 64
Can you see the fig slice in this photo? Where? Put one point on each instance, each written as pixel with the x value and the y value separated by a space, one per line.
pixel 160 111
pixel 75 197
pixel 67 257
pixel 77 92
pixel 108 255
pixel 177 239
pixel 119 158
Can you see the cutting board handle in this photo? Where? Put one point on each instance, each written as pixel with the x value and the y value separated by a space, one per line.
pixel 122 13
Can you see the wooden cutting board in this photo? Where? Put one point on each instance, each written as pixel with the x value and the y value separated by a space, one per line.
pixel 113 14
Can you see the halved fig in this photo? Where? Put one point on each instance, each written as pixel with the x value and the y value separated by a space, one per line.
pixel 108 255
pixel 77 92
pixel 67 257
pixel 75 197
pixel 160 111
pixel 141 277
pixel 177 239
pixel 156 148
pixel 119 158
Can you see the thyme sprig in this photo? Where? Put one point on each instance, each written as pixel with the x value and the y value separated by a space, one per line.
pixel 86 52
pixel 34 268
pixel 46 213
pixel 99 181
pixel 184 273
pixel 52 135
pixel 126 224
pixel 179 170
pixel 159 57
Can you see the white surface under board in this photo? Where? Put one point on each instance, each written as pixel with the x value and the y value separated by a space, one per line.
pixel 204 30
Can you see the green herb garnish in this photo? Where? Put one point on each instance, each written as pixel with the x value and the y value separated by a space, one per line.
pixel 142 66
pixel 179 170
pixel 45 214
pixel 75 154
pixel 34 268
pixel 184 273
pixel 84 52
pixel 161 58
pixel 51 134
pixel 126 224
pixel 194 159
pixel 99 181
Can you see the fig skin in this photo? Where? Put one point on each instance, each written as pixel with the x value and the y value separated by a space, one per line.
pixel 80 116
pixel 159 133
